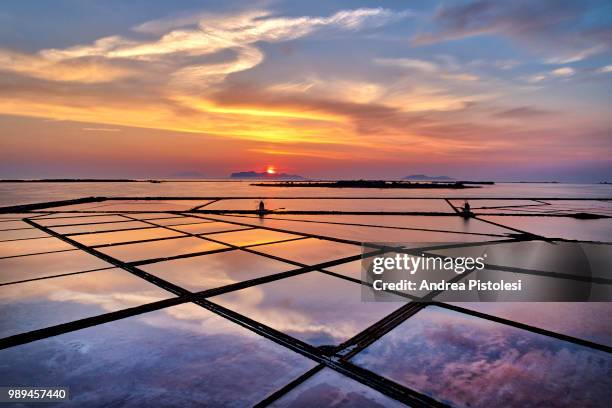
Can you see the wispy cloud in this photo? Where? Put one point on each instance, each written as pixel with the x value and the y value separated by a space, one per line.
pixel 83 70
pixel 604 70
pixel 579 55
pixel 100 129
pixel 522 112
pixel 535 78
pixel 180 50
pixel 428 67
pixel 551 27
pixel 169 70
pixel 557 73
pixel 409 63
pixel 563 72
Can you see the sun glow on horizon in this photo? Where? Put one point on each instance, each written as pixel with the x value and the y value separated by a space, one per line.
pixel 271 170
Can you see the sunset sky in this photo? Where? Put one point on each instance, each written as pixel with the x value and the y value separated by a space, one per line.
pixel 504 90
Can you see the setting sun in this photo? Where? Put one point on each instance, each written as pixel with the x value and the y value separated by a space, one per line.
pixel 271 170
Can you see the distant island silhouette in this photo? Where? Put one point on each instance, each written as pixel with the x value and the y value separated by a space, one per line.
pixel 265 176
pixel 424 177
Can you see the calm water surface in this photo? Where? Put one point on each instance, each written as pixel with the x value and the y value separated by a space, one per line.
pixel 24 193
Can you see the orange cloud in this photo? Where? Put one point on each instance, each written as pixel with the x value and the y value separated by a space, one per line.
pixel 82 70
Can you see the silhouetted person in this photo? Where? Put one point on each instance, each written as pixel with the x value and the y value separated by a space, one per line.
pixel 262 208
pixel 467 210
